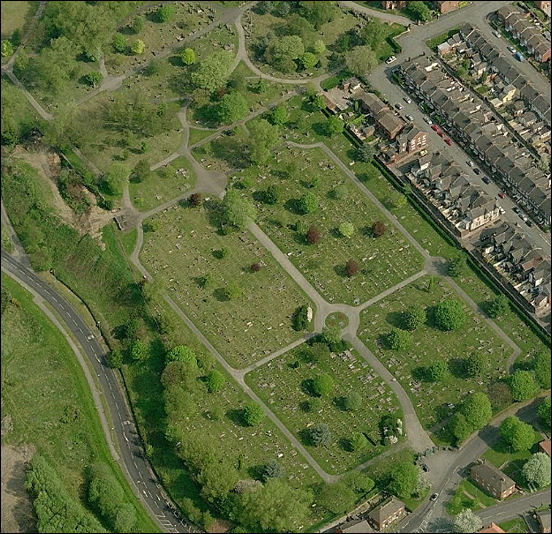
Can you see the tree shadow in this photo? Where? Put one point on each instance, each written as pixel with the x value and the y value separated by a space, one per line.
pixel 419 374
pixel 293 206
pixel 457 367
pixel 345 444
pixel 220 295
pixel 319 128
pixel 300 238
pixel 256 472
pixel 236 416
pixel 339 403
pixel 305 437
pixel 176 61
pixel 307 387
pixel 394 318
pixel 340 271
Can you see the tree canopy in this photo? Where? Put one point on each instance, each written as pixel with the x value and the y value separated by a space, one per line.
pixel 253 414
pixel 413 317
pixel 449 315
pixel 211 72
pixel 361 60
pixel 322 385
pixel 236 210
pixel 523 385
pixel 537 470
pixel 232 107
pixel 404 479
pixel 518 435
pixel 466 521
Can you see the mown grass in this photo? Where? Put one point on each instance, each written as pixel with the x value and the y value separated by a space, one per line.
pixel 46 396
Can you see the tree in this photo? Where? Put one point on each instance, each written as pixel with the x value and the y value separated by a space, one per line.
pixel 459 427
pixel 317 102
pixel 518 435
pixel 449 315
pixel 93 78
pixel 352 402
pixel 334 125
pixel 287 47
pixel 360 60
pixel 365 152
pixel 418 10
pixel 475 365
pixel 544 412
pixel 232 107
pixel 255 267
pixel 300 318
pixel 279 115
pixel 413 317
pixel 195 200
pixel 211 73
pixel 437 371
pixel 537 470
pixel 351 267
pixel 184 354
pixel 336 498
pixel 373 33
pixel 358 441
pixel 456 265
pixel 378 228
pixel 320 435
pixel 308 60
pixel 215 381
pixel 274 507
pixel 188 56
pixel 340 192
pixel 398 340
pixel 313 235
pixel 541 368
pixel 164 13
pixel 232 291
pixel 217 478
pixel 319 351
pixel 347 229
pixel 404 478
pixel 498 306
pixel 466 520
pixel 119 43
pixel 523 385
pixel 322 385
pixel 6 48
pixel 138 47
pixel 318 47
pixel 253 414
pixel 477 410
pixel 116 179
pixel 332 335
pixel 262 138
pixel 116 359
pixel 236 210
pixel 138 24
pixel 272 195
pixel 308 203
pixel 318 13
pixel 138 350
pixel 272 469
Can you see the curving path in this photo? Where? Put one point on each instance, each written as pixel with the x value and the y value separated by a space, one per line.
pixel 388 16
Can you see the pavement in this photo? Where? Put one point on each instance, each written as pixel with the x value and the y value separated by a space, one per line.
pixel 130 446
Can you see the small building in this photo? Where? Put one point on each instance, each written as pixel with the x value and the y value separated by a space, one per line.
pixel 393 5
pixel 544 446
pixel 445 7
pixel 383 515
pixel 544 520
pixel 493 527
pixel 544 6
pixel 492 480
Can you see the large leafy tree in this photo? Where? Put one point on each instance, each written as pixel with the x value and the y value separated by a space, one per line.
pixel 404 479
pixel 236 210
pixel 541 368
pixel 262 138
pixel 322 385
pixel 211 73
pixel 232 107
pixel 477 409
pixel 537 469
pixel 466 521
pixel 361 60
pixel 449 315
pixel 418 10
pixel 544 411
pixel 399 340
pixel 182 353
pixel 413 317
pixel 373 33
pixel 523 385
pixel 253 414
pixel 460 427
pixel 518 435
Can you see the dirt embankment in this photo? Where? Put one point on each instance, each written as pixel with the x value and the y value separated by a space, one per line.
pixel 48 165
pixel 17 510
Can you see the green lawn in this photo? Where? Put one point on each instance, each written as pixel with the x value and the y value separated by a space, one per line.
pixel 129 241
pixel 430 344
pixel 384 261
pixel 47 398
pixel 283 384
pixel 163 184
pixel 7 243
pixel 14 15
pixel 467 495
pixel 514 525
pixel 186 247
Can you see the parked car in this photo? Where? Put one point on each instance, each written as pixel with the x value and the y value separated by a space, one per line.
pixel 434 496
pixel 407 99
pixel 435 127
pixel 501 210
pixel 516 209
pixel 448 141
pixel 501 194
pixel 476 170
pixel 425 467
pixel 428 120
pixel 486 179
pixel 523 217
pixel 390 60
pixel 398 105
pixel 409 117
pixel 529 223
pixel 519 56
pixel 496 33
pixel 470 163
pixel 440 133
pixel 512 49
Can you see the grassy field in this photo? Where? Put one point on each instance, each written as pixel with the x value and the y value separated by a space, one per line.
pixel 283 384
pixel 186 247
pixel 7 243
pixel 514 525
pixel 467 495
pixel 15 15
pixel 384 261
pixel 430 344
pixel 47 398
pixel 163 184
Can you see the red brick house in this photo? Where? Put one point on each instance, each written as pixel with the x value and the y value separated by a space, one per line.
pixel 492 480
pixel 445 7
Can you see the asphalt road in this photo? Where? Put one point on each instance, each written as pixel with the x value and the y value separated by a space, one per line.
pixel 507 510
pixel 136 468
pixel 413 44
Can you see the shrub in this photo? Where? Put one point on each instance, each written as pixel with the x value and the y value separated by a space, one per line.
pixel 182 353
pixel 308 203
pixel 195 200
pixel 138 350
pixel 93 78
pixel 272 469
pixel 322 385
pixel 412 318
pixel 253 414
pixel 497 307
pixel 188 56
pixel 449 315
pixel 476 365
pixel 300 318
pixel 358 441
pixel 271 195
pixel 544 412
pixel 164 13
pixel 215 381
pixel 116 359
pixel 351 267
pixel 378 228
pixel 523 385
pixel 398 340
pixel 456 265
pixel 119 43
pixel 255 267
pixel 352 402
pixel 347 229
pixel 320 435
pixel 313 235
pixel 340 192
pixel 138 47
pixel 541 368
pixel 437 371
